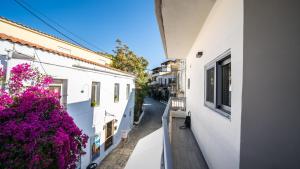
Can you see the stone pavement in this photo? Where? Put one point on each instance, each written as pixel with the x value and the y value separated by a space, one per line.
pixel 151 121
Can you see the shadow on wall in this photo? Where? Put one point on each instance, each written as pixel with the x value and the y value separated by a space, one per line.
pixel 126 122
pixel 83 116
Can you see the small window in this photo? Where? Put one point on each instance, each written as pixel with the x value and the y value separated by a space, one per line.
pixel 116 92
pixel 218 84
pixel 95 94
pixel 60 86
pixel 224 86
pixel 210 84
pixel 189 83
pixel 127 91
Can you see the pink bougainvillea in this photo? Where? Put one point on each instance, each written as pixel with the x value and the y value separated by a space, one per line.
pixel 35 130
pixel 1 73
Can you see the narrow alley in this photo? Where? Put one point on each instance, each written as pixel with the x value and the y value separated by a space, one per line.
pixel 151 121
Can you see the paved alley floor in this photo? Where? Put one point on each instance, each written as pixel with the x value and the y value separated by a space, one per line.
pixel 151 121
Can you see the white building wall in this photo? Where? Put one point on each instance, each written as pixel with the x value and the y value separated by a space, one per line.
pixel 218 136
pixel 90 120
pixel 11 28
pixel 181 77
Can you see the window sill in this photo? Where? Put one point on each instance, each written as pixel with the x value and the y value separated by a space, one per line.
pixel 93 107
pixel 222 112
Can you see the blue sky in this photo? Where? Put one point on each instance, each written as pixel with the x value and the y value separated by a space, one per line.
pixel 98 21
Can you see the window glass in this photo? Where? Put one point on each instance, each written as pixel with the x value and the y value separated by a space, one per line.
pixel 95 94
pixel 56 89
pixel 116 92
pixel 226 84
pixel 127 91
pixel 60 86
pixel 218 85
pixel 210 83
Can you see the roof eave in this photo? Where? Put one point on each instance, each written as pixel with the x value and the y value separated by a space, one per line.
pixel 160 22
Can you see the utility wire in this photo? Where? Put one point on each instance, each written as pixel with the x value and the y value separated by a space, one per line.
pixel 40 62
pixel 48 24
pixel 63 28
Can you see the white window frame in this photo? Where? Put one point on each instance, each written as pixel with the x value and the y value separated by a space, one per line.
pixel 127 91
pixel 63 84
pixel 216 64
pixel 97 93
pixel 118 94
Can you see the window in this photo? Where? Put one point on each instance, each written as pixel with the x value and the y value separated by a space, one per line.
pixel 109 135
pixel 116 92
pixel 210 84
pixel 127 91
pixel 60 86
pixel 224 88
pixel 95 94
pixel 218 84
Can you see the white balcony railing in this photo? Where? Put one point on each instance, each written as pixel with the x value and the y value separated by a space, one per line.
pixel 174 103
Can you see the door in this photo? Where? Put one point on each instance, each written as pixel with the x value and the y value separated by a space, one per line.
pixel 109 136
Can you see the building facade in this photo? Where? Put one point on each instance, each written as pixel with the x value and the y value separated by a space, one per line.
pixel 168 79
pixel 99 98
pixel 242 77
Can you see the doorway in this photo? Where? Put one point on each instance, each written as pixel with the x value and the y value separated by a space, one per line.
pixel 109 136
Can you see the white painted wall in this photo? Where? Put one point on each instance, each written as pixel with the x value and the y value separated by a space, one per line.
pixel 90 120
pixel 218 137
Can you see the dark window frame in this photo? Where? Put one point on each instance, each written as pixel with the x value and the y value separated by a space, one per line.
pixel 217 64
pixel 219 90
pixel 206 102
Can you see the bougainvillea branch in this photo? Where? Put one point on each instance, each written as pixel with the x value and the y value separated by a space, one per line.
pixel 35 130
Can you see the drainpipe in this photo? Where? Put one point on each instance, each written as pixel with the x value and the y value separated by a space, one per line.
pixel 6 67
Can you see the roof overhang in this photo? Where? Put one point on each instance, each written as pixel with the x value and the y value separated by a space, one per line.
pixel 180 22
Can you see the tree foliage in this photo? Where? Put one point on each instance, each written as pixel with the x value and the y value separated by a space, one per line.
pixel 35 129
pixel 126 60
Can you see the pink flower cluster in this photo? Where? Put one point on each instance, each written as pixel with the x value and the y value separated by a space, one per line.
pixel 1 73
pixel 5 99
pixel 35 130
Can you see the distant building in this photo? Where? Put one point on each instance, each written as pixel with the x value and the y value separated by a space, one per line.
pixel 167 80
pixel 99 98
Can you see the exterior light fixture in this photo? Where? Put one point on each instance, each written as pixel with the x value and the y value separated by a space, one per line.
pixel 199 54
pixel 108 114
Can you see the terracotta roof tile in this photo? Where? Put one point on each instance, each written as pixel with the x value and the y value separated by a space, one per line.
pixel 23 42
pixel 49 35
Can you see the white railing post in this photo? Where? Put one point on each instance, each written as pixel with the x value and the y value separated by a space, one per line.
pixel 167 148
pixel 174 103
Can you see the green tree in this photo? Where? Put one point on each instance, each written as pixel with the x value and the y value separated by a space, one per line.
pixel 126 60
